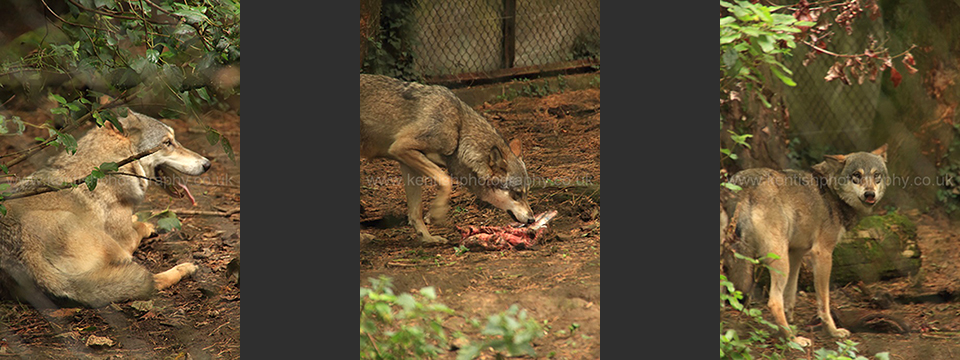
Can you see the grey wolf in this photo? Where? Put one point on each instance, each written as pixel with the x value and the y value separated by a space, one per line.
pixel 791 213
pixel 425 127
pixel 77 245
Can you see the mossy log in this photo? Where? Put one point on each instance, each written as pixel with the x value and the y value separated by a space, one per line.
pixel 881 247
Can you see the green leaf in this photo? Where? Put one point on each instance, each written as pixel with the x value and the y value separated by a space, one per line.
pixel 58 98
pixel 109 166
pixel 191 15
pixel 225 144
pixel 203 94
pixel 429 292
pixel 3 210
pixel 213 137
pixel 786 79
pixel 112 118
pixel 766 43
pixel 729 38
pixel 91 182
pixel 168 221
pixel 170 114
pixel 67 140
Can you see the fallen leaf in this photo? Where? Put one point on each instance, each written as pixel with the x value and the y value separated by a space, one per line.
pixel 99 341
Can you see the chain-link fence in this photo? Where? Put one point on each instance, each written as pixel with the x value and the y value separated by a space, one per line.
pixel 916 117
pixel 470 40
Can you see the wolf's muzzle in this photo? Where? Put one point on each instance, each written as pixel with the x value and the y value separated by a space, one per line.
pixel 517 219
pixel 869 197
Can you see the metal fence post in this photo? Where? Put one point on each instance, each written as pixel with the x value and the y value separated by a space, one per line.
pixel 509 32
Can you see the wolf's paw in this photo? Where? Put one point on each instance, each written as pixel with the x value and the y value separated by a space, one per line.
pixel 840 333
pixel 437 215
pixel 186 269
pixel 802 341
pixel 433 239
pixel 144 229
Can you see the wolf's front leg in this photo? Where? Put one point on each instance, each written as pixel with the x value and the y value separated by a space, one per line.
pixel 823 262
pixel 144 229
pixel 414 214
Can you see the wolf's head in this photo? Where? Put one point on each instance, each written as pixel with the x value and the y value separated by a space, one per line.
pixel 859 179
pixel 503 181
pixel 146 133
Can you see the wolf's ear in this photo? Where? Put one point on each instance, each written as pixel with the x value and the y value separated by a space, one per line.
pixel 516 148
pixel 831 164
pixel 498 165
pixel 835 158
pixel 881 151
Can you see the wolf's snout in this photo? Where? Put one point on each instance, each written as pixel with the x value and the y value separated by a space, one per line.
pixel 527 220
pixel 206 165
pixel 870 197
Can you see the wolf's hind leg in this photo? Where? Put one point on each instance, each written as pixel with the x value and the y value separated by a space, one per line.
pixel 168 278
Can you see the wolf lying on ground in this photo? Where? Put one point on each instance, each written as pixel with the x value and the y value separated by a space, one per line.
pixel 426 127
pixel 77 245
pixel 791 213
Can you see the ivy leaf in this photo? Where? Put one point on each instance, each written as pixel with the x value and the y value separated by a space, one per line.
pixel 168 221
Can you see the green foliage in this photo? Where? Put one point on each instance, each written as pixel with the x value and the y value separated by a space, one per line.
pixel 753 39
pixel 166 220
pixel 948 192
pixel 410 326
pixel 390 52
pixel 15 121
pixel 99 173
pixel 761 331
pixel 401 326
pixel 509 332
pixel 168 51
pixel 846 350
pixel 534 89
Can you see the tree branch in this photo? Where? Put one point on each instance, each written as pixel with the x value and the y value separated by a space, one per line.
pixel 33 150
pixel 48 188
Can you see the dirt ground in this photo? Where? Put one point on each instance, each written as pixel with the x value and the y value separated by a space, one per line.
pixel 915 317
pixel 558 281
pixel 199 318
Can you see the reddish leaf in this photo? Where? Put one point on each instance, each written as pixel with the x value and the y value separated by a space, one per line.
pixel 834 72
pixel 873 72
pixel 908 61
pixel 895 76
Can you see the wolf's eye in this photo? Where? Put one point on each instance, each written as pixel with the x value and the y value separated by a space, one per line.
pixel 877 177
pixel 856 177
pixel 167 142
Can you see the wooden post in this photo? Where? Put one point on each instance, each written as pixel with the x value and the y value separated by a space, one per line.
pixel 509 32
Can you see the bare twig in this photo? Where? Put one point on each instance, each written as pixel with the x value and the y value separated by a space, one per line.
pixel 188 212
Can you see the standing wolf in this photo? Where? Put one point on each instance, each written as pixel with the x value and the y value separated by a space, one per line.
pixel 425 127
pixel 77 245
pixel 791 213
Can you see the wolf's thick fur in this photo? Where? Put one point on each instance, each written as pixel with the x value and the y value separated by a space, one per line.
pixel 425 127
pixel 791 213
pixel 76 244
